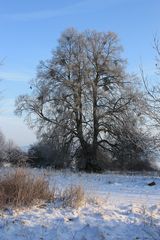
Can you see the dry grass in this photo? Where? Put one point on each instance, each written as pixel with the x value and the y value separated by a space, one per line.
pixel 73 196
pixel 20 189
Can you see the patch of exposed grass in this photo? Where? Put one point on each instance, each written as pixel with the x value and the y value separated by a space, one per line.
pixel 73 196
pixel 20 189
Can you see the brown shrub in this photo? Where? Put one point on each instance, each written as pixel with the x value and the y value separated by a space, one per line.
pixel 23 189
pixel 73 196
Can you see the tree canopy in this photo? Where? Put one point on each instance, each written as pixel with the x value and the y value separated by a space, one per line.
pixel 82 95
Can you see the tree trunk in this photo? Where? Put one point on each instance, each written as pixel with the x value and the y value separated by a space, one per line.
pixel 95 121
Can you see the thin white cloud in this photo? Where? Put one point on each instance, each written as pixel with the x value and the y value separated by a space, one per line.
pixel 14 76
pixel 79 7
pixel 34 15
pixel 45 14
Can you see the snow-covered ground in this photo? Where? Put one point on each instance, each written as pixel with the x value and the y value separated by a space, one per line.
pixel 117 207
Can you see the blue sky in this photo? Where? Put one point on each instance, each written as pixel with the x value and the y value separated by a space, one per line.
pixel 29 31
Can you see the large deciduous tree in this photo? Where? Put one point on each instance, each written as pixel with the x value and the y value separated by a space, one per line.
pixel 81 94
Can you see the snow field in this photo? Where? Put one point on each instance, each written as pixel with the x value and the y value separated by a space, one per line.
pixel 117 207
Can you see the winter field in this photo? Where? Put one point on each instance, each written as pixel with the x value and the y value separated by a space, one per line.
pixel 116 207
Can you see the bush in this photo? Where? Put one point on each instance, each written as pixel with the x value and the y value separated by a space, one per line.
pixel 47 155
pixel 133 150
pixel 20 189
pixel 73 197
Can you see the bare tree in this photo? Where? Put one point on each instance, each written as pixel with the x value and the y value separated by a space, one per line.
pixel 2 147
pixel 80 93
pixel 153 91
pixel 14 155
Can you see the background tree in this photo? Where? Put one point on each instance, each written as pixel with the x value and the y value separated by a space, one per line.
pixel 152 96
pixel 14 155
pixel 153 91
pixel 2 147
